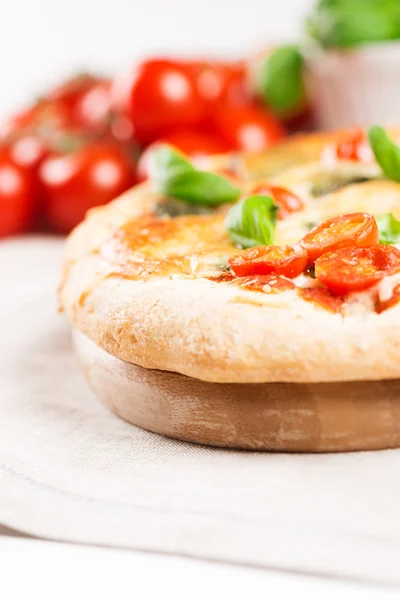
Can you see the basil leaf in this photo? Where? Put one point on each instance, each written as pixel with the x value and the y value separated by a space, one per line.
pixel 281 83
pixel 201 187
pixel 251 222
pixel 347 23
pixel 174 176
pixel 389 229
pixel 165 164
pixel 386 152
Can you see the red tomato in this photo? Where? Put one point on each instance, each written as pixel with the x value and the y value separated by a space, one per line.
pixel 17 202
pixel 70 91
pixel 28 151
pixel 192 144
pixel 249 128
pixel 287 201
pixel 195 144
pixel 87 177
pixel 283 260
pixel 70 106
pixel 57 109
pixel 354 229
pixel 353 146
pixel 355 269
pixel 158 96
pixel 221 84
pixel 43 118
pixel 17 122
pixel 93 108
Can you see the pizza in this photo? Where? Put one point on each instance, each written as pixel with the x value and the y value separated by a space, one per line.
pixel 278 267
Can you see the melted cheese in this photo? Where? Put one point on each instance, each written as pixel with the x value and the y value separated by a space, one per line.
pixel 192 245
pixel 386 287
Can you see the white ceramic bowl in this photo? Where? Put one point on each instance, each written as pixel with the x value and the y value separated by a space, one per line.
pixel 356 87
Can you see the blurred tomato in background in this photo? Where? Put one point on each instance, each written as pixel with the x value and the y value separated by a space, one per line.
pixel 157 97
pixel 88 139
pixel 75 182
pixel 17 197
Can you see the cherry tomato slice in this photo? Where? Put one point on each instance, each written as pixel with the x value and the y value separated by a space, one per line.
pixel 283 260
pixel 355 269
pixel 287 201
pixel 192 144
pixel 73 183
pixel 158 96
pixel 17 200
pixel 249 128
pixel 354 229
pixel 352 146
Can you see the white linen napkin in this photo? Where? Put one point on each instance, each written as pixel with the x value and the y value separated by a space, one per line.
pixel 70 470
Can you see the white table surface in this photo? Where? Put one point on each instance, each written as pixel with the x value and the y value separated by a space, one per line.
pixel 47 570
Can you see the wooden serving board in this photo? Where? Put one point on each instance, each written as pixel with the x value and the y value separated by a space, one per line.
pixel 289 417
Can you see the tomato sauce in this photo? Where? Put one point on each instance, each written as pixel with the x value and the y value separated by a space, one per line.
pixel 323 298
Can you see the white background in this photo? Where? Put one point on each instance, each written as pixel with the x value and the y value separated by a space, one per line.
pixel 41 40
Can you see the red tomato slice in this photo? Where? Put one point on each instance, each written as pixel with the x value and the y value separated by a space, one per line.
pixel 283 260
pixel 158 96
pixel 354 229
pixel 80 180
pixel 355 269
pixel 17 200
pixel 287 201
pixel 352 146
pixel 192 144
pixel 249 128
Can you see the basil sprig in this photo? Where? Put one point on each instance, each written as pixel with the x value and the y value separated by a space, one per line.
pixel 174 176
pixel 281 81
pixel 389 229
pixel 386 152
pixel 251 222
pixel 346 23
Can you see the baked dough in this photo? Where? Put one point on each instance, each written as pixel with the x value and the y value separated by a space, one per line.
pixel 163 303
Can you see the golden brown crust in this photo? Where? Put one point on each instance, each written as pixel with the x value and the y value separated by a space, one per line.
pixel 218 332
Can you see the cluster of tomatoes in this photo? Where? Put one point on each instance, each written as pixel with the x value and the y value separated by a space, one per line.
pixel 88 140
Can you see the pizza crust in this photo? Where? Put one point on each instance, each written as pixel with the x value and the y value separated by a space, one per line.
pixel 216 332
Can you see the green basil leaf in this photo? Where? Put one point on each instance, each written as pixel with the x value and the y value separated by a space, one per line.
pixel 174 176
pixel 201 187
pixel 353 22
pixel 386 152
pixel 281 81
pixel 389 229
pixel 251 222
pixel 165 164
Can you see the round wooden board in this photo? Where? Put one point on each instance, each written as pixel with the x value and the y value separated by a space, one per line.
pixel 286 417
